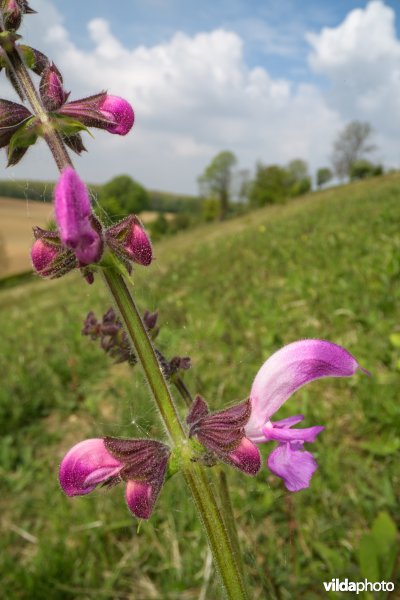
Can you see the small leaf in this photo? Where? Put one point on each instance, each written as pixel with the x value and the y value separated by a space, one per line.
pixel 68 126
pixel 395 340
pixel 368 557
pixel 24 137
pixel 384 533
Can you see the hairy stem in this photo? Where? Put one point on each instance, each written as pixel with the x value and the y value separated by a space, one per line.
pixel 229 518
pixel 195 477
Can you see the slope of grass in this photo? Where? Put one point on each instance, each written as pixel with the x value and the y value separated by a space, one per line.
pixel 324 266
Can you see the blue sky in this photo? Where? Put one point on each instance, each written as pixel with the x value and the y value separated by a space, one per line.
pixel 273 30
pixel 269 80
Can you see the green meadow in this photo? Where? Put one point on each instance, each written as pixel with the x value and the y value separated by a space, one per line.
pixel 326 265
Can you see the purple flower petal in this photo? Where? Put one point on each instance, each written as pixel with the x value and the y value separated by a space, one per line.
pixel 294 465
pixel 289 421
pixel 86 465
pixel 72 211
pixel 307 434
pixel 246 457
pixel 290 368
pixel 141 497
pixel 119 112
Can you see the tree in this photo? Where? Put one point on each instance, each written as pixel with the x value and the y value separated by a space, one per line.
pixel 270 185
pixel 361 169
pixel 351 145
pixel 324 174
pixel 298 181
pixel 297 170
pixel 123 196
pixel 217 179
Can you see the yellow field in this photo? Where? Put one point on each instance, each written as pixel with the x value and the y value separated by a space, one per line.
pixel 17 217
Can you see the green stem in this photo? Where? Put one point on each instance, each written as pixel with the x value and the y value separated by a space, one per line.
pixel 229 518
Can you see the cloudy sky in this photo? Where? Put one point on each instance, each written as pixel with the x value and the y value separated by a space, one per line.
pixel 271 80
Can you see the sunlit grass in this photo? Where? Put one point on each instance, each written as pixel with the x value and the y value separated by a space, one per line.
pixel 324 266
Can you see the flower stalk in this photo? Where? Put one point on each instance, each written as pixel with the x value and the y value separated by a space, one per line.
pixel 225 552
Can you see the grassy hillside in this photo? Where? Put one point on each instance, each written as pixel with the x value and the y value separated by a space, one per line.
pixel 327 266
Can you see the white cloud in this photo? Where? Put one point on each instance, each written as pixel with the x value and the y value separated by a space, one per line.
pixel 193 96
pixel 361 59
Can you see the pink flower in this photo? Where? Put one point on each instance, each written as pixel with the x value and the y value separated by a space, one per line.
pixel 281 375
pixel 74 218
pixel 140 463
pixel 112 113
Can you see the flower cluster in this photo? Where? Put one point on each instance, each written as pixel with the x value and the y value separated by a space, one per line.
pixel 112 337
pixel 231 435
pixel 80 239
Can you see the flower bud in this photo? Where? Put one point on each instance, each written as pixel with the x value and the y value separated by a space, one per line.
pixel 103 111
pixel 129 241
pixel 33 59
pixel 13 11
pixel 51 88
pixel 49 258
pixel 43 256
pixel 74 218
pixel 138 245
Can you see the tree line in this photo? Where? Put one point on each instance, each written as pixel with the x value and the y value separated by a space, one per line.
pixel 274 183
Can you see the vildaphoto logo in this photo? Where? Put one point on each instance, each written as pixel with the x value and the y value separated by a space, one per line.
pixel 336 585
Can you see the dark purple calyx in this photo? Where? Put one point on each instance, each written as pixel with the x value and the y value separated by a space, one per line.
pixel 143 460
pixel 222 431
